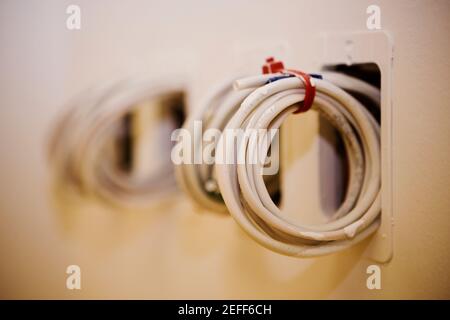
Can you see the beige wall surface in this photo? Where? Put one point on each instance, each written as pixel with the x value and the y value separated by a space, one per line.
pixel 176 250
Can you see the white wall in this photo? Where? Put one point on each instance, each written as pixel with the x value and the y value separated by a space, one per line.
pixel 174 251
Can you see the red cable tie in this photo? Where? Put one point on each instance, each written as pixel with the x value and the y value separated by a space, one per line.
pixel 310 90
pixel 273 66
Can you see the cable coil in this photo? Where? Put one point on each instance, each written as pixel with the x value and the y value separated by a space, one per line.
pixel 240 187
pixel 81 147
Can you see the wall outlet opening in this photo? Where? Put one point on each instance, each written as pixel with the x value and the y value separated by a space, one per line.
pixel 369 56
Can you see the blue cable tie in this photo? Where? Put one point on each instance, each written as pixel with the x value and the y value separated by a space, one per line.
pixel 284 76
pixel 316 75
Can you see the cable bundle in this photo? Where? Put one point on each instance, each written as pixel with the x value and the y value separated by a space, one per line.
pixel 264 102
pixel 83 142
pixel 197 178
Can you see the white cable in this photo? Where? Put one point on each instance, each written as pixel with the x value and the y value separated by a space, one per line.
pixel 197 179
pixel 79 146
pixel 243 189
pixel 258 105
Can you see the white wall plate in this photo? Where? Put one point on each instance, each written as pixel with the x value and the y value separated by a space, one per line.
pixel 372 47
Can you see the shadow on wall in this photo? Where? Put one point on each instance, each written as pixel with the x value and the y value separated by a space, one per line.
pixel 102 227
pixel 268 275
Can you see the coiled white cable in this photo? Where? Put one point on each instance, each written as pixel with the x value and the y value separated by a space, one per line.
pixel 197 179
pixel 80 150
pixel 243 190
pixel 261 105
